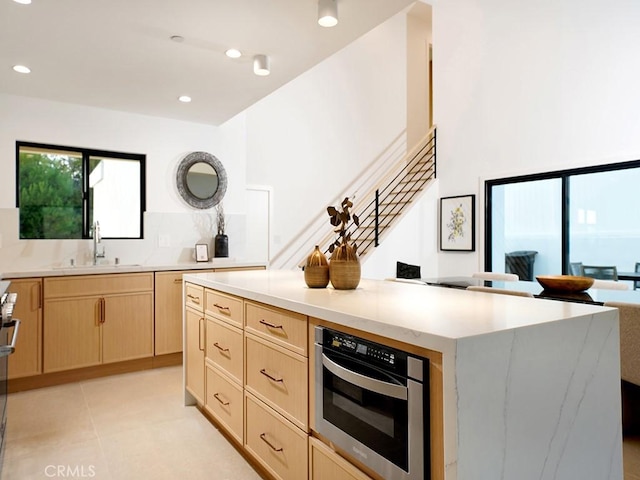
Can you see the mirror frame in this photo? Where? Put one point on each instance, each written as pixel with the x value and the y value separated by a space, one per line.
pixel 181 180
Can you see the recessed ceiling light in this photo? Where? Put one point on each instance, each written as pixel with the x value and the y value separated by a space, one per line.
pixel 184 98
pixel 233 53
pixel 21 69
pixel 23 2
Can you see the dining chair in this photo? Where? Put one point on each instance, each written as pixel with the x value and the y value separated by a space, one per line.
pixel 575 268
pixel 600 272
pixel 406 270
pixel 609 285
pixel 507 277
pixel 502 291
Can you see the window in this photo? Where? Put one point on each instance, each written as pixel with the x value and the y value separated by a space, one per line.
pixel 62 191
pixel 563 219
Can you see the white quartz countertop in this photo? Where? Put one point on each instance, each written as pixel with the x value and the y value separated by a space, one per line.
pixel 129 268
pixel 428 316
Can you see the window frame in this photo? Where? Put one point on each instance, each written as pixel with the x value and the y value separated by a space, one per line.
pixel 86 154
pixel 564 176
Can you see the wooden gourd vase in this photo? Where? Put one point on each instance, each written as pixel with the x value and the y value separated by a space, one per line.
pixel 344 268
pixel 316 270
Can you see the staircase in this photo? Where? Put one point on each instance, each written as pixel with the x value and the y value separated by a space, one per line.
pixel 383 202
pixel 389 200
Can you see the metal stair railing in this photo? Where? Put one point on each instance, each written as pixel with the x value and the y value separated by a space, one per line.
pixel 391 200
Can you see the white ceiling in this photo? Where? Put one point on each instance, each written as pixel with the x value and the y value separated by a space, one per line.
pixel 117 54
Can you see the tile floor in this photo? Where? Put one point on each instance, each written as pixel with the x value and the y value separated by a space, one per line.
pixel 131 426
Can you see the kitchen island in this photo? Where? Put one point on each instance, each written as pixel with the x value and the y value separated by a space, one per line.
pixel 530 388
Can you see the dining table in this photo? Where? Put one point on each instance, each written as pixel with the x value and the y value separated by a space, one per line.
pixel 595 296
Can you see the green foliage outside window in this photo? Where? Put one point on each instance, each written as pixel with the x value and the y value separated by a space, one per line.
pixel 50 196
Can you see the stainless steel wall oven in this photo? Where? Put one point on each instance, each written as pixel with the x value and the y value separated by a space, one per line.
pixel 372 401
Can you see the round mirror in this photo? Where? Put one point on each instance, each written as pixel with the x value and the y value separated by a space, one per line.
pixel 201 180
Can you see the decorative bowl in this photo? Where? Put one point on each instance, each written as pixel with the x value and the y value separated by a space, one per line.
pixel 564 283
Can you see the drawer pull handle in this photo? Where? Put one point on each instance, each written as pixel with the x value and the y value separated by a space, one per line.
pixel 223 402
pixel 194 298
pixel 269 325
pixel 219 347
pixel 266 374
pixel 263 437
pixel 177 280
pixel 221 307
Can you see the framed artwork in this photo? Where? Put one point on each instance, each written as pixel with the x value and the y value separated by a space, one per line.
pixel 202 252
pixel 458 223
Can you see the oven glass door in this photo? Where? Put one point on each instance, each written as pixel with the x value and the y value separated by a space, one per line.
pixel 376 420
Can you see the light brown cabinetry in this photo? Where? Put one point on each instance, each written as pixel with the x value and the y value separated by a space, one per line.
pixel 276 389
pixel 225 361
pixel 168 312
pixel 194 341
pixel 91 320
pixel 325 464
pixel 27 359
pixel 279 446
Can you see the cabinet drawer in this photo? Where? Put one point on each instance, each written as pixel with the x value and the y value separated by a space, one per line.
pixel 194 296
pixel 225 348
pixel 325 464
pixel 84 285
pixel 279 446
pixel 224 402
pixel 224 307
pixel 285 328
pixel 279 378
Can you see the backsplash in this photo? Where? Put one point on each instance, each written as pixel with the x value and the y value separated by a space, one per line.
pixel 169 238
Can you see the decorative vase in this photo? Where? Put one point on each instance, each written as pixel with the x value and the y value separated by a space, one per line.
pixel 316 270
pixel 221 245
pixel 344 268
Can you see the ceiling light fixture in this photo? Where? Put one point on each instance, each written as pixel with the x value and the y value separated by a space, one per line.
pixel 327 13
pixel 261 65
pixel 21 69
pixel 23 2
pixel 233 53
pixel 184 98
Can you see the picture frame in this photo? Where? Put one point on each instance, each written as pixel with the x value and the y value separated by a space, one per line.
pixel 458 223
pixel 202 252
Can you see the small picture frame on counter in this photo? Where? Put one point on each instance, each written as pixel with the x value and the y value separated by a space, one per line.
pixel 202 252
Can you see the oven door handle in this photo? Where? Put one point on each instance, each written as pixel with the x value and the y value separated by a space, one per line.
pixel 6 350
pixel 368 383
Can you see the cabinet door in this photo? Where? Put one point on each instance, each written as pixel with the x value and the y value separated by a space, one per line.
pixel 194 358
pixel 27 360
pixel 71 333
pixel 168 324
pixel 127 328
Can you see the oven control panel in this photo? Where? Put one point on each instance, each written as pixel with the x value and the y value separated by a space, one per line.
pixel 370 352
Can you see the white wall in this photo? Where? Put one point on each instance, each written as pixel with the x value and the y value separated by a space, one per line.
pixel 165 142
pixel 310 138
pixel 531 87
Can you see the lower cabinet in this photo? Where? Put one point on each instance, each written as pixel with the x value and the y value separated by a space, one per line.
pixel 325 464
pixel 279 446
pixel 27 359
pixel 87 331
pixel 194 357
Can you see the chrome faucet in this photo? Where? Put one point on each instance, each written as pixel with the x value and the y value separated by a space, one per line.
pixel 98 247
